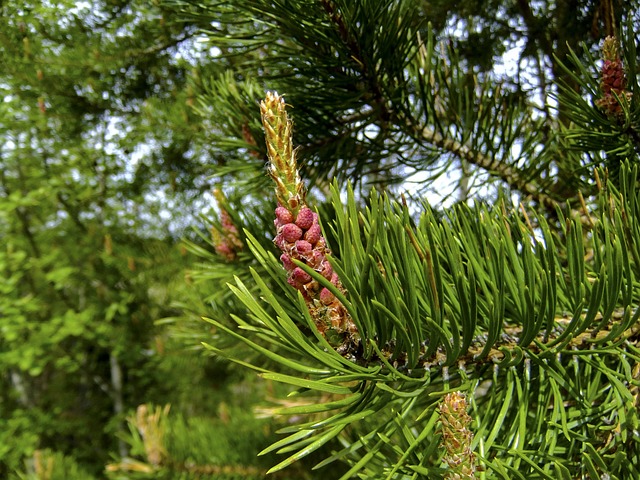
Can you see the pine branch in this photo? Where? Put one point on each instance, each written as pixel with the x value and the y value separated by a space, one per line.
pixel 376 96
pixel 359 85
pixel 509 347
pixel 447 301
pixel 472 311
pixel 509 175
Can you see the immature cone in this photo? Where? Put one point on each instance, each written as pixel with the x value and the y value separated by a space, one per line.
pixel 225 239
pixel 456 437
pixel 299 235
pixel 152 430
pixel 283 168
pixel 613 80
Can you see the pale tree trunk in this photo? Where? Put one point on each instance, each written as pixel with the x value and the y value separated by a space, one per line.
pixel 21 389
pixel 118 402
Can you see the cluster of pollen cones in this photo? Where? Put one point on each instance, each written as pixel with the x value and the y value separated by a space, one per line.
pixel 613 80
pixel 299 235
pixel 301 239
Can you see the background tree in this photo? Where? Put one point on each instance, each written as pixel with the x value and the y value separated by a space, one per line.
pixel 79 256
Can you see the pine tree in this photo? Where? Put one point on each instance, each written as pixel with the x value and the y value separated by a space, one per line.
pixel 436 276
pixel 493 338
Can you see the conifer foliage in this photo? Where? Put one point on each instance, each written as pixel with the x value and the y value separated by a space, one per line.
pixel 424 262
pixel 484 340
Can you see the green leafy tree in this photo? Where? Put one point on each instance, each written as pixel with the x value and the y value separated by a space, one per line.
pixel 94 129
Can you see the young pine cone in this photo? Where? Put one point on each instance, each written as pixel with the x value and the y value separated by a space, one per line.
pixel 299 235
pixel 613 81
